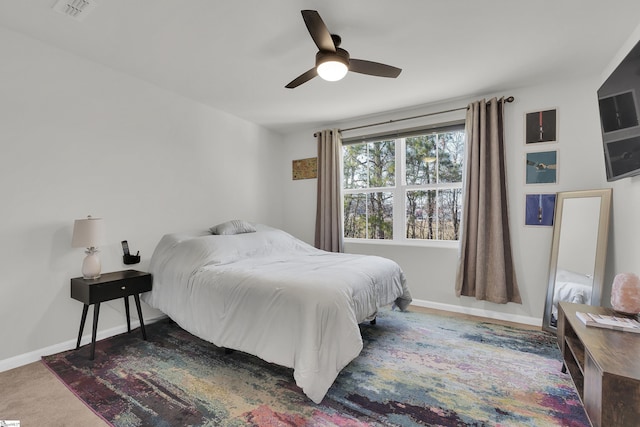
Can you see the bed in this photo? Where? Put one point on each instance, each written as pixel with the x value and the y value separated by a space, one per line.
pixel 271 295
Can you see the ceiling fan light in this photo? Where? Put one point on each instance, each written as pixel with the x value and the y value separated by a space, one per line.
pixel 333 69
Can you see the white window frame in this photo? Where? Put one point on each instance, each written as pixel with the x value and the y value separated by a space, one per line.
pixel 400 190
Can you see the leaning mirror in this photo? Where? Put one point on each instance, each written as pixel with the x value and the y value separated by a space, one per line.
pixel 578 250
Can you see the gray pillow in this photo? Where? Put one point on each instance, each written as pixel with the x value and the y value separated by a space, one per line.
pixel 236 226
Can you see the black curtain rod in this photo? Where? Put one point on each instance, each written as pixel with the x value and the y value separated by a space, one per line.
pixel 508 99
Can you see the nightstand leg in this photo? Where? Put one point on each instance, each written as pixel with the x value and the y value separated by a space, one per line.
pixel 82 320
pixel 137 298
pixel 126 309
pixel 96 312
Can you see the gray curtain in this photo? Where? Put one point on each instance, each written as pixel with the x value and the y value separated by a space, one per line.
pixel 485 269
pixel 329 206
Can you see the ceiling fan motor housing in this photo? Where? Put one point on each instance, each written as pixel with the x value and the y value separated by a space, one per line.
pixel 340 55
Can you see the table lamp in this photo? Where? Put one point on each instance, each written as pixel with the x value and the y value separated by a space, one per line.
pixel 89 233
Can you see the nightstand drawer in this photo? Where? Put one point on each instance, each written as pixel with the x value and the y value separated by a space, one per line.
pixel 108 291
pixel 110 286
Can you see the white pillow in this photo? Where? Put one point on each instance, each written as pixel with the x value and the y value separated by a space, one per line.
pixel 236 226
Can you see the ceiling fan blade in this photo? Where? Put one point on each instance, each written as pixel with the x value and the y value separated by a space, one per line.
pixel 318 30
pixel 373 68
pixel 302 78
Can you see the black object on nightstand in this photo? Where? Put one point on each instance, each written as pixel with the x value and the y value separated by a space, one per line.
pixel 109 286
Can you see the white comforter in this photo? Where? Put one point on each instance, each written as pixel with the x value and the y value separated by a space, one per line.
pixel 273 296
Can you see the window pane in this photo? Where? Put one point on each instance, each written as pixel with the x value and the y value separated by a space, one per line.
pixel 355 216
pixel 382 163
pixel 370 164
pixel 380 215
pixel 421 160
pixel 421 214
pixel 449 214
pixel 450 156
pixel 354 159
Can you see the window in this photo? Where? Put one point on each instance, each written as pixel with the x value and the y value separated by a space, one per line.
pixel 404 188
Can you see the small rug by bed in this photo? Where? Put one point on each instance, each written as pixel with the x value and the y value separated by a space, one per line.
pixel 415 369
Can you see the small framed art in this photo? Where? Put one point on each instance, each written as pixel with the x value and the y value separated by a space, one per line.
pixel 541 126
pixel 539 209
pixel 542 167
pixel 305 168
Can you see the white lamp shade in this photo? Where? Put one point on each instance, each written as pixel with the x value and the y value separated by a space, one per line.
pixel 332 70
pixel 88 233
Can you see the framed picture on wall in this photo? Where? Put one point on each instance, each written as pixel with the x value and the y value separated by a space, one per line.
pixel 541 167
pixel 539 209
pixel 541 126
pixel 304 168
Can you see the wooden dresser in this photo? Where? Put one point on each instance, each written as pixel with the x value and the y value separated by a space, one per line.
pixel 604 365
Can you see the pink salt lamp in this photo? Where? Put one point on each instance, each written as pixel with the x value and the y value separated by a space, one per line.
pixel 625 293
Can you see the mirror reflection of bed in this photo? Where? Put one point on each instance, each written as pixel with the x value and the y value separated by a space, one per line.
pixel 571 287
pixel 578 250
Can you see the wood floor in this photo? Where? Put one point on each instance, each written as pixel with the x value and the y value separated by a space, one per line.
pixel 34 396
pixel 474 318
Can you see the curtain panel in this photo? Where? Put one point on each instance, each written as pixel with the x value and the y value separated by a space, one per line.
pixel 329 235
pixel 485 269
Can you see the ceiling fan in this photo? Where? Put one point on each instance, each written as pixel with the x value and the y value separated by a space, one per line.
pixel 333 62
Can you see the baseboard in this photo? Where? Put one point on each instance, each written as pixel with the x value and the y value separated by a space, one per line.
pixel 515 318
pixel 33 356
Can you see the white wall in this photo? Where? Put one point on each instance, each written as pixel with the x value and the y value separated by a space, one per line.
pixel 77 138
pixel 431 270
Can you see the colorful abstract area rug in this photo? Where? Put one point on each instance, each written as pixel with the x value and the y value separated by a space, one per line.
pixel 416 369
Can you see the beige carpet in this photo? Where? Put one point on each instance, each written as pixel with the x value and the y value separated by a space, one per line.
pixel 35 397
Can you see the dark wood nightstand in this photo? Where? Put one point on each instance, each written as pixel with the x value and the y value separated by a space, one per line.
pixel 109 286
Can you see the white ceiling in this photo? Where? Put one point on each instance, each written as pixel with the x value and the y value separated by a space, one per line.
pixel 238 55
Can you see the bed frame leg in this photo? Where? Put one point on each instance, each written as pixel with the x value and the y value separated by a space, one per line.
pixel 373 322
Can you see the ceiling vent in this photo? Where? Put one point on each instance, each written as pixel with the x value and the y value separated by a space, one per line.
pixel 76 9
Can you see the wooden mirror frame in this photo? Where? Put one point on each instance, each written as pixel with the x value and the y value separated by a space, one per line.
pixel 601 248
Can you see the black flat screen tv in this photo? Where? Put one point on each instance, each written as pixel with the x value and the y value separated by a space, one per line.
pixel 619 118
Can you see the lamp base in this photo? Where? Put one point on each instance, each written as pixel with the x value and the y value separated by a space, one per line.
pixel 91 265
